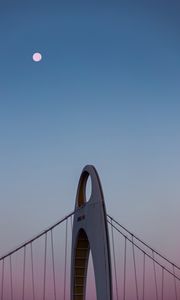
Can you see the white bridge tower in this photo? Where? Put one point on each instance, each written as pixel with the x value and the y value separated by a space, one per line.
pixel 90 232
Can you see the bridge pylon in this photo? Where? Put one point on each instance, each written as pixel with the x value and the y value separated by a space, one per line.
pixel 90 232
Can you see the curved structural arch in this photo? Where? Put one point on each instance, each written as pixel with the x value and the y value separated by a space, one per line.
pixel 90 232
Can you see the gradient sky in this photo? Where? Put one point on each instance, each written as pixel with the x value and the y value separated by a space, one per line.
pixel 106 93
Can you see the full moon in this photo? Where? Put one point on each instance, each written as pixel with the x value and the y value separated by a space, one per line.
pixel 37 57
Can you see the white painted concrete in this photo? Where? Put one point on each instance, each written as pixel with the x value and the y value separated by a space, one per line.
pixel 90 232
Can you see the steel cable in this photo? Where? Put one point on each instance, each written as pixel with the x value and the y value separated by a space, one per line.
pixel 24 272
pixel 65 260
pixel 145 244
pixel 45 258
pixel 2 281
pixel 144 274
pixel 114 260
pixel 124 285
pixel 53 264
pixel 175 286
pixel 155 278
pixel 162 287
pixel 32 271
pixel 36 237
pixel 148 255
pixel 135 272
pixel 11 277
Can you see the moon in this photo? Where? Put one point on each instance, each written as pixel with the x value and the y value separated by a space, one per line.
pixel 37 56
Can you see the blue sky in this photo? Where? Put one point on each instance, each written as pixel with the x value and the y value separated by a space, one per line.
pixel 105 93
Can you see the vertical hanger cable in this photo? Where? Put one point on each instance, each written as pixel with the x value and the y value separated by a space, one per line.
pixel 45 259
pixel 65 259
pixel 24 272
pixel 135 272
pixel 114 260
pixel 32 271
pixel 2 281
pixel 124 288
pixel 11 277
pixel 53 264
pixel 144 274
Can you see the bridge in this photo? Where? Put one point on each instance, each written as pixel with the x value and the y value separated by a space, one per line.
pixel 54 264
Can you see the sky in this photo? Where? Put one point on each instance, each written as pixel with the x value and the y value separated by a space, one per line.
pixel 106 93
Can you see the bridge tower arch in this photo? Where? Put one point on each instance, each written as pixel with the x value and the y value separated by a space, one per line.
pixel 90 232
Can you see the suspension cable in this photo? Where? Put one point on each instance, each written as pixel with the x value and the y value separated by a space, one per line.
pixel 145 244
pixel 144 274
pixel 114 260
pixel 125 250
pixel 155 278
pixel 37 236
pixel 175 286
pixel 162 292
pixel 45 259
pixel 23 246
pixel 11 277
pixel 53 263
pixel 2 281
pixel 24 272
pixel 138 247
pixel 65 260
pixel 135 272
pixel 45 232
pixel 32 271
